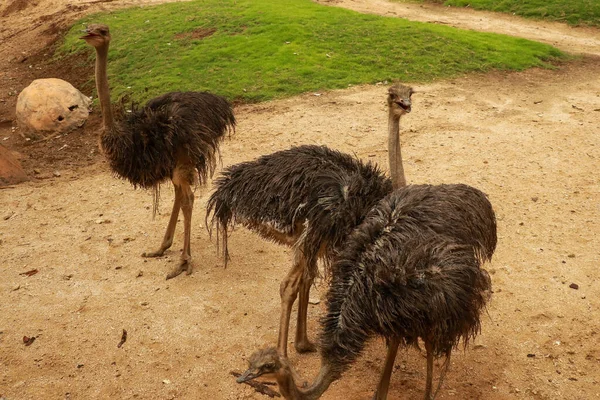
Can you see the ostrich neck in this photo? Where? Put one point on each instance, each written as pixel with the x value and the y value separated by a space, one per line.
pixel 102 86
pixel 289 390
pixel 395 155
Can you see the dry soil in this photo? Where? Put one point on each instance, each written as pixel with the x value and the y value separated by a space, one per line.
pixel 530 140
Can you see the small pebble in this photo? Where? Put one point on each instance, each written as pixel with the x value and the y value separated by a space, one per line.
pixel 574 286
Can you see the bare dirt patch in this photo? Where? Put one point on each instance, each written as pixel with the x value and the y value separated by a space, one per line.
pixel 198 33
pixel 527 139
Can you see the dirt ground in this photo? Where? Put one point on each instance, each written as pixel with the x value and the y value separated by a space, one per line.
pixel 530 140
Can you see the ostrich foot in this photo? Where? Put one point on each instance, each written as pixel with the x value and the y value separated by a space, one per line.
pixel 184 265
pixel 151 254
pixel 305 346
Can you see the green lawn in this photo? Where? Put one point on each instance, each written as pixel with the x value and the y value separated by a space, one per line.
pixel 574 12
pixel 255 50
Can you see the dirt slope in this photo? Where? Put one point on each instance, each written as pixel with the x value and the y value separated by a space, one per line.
pixel 527 139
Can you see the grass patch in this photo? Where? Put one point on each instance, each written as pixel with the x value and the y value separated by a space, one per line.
pixel 573 12
pixel 255 50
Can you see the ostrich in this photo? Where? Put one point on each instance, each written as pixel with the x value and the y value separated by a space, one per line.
pixel 175 136
pixel 272 196
pixel 399 278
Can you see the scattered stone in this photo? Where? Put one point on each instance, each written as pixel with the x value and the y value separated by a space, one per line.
pixel 51 106
pixel 103 221
pixel 29 273
pixel 123 339
pixel 314 301
pixel 571 255
pixel 28 340
pixel 574 286
pixel 11 172
pixel 56 173
pixel 531 355
pixel 534 199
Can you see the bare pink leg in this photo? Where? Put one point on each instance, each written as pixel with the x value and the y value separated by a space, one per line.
pixel 187 206
pixel 302 344
pixel 288 291
pixel 168 238
pixel 428 384
pixel 384 381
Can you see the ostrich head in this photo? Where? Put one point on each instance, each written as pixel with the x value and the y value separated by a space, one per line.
pixel 97 35
pixel 399 99
pixel 264 361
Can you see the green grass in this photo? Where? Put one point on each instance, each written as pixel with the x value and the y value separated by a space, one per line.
pixel 574 12
pixel 265 49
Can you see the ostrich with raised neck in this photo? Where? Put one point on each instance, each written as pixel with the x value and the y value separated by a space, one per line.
pixel 399 103
pixel 174 137
pixel 272 195
pixel 407 272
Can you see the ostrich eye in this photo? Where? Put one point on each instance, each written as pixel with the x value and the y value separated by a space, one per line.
pixel 103 31
pixel 269 366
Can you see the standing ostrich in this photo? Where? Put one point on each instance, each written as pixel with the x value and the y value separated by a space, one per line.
pixel 175 136
pixel 399 278
pixel 273 195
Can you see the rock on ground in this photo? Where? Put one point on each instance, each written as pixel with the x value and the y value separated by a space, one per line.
pixel 10 170
pixel 50 106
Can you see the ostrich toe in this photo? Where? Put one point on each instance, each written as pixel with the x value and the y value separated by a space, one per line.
pixel 184 265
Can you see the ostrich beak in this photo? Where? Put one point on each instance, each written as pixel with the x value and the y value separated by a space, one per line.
pixel 248 376
pixel 405 105
pixel 88 34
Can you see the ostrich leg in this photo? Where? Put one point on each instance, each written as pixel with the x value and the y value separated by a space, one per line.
pixel 429 349
pixel 187 206
pixel 168 238
pixel 288 292
pixel 445 367
pixel 301 343
pixel 384 381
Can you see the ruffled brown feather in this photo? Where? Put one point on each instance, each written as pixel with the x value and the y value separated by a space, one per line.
pixel 144 145
pixel 280 194
pixel 410 271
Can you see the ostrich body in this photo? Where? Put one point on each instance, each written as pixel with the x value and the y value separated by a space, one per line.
pixel 280 197
pixel 173 137
pixel 398 277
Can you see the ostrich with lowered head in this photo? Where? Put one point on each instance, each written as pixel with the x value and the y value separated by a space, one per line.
pixel 273 195
pixel 399 278
pixel 173 137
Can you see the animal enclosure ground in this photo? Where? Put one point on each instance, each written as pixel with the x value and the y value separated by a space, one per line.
pixel 527 139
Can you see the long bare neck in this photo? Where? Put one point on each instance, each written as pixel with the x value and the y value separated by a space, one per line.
pixel 102 86
pixel 395 155
pixel 289 390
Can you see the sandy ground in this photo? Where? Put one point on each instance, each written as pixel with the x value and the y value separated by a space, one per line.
pixel 530 140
